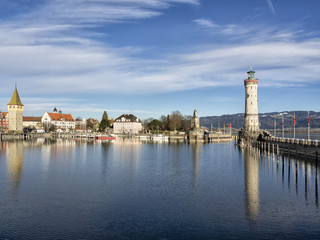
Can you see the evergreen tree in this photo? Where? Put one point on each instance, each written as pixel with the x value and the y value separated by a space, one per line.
pixel 105 122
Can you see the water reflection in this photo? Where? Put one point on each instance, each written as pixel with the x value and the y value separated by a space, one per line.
pixel 251 167
pixel 297 175
pixel 3 150
pixel 195 148
pixel 15 164
pixel 130 189
pixel 127 152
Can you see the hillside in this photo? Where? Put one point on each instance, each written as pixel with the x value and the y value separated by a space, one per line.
pixel 266 120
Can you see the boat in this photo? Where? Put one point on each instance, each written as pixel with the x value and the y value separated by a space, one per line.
pixel 105 137
pixel 160 138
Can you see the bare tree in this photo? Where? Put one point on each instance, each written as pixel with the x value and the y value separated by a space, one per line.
pixel 92 124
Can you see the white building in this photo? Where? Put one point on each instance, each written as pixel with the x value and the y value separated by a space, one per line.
pixel 60 120
pixel 127 123
pixel 251 118
pixel 81 125
pixel 32 122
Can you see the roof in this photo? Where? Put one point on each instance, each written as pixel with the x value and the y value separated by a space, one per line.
pixel 4 114
pixel 60 116
pixel 15 100
pixel 128 118
pixel 32 119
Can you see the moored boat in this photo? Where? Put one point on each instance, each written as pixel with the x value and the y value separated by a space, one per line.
pixel 160 137
pixel 105 137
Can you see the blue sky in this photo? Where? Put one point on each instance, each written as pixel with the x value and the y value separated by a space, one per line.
pixel 152 57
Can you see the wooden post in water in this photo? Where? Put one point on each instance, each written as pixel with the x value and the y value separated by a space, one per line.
pixel 272 148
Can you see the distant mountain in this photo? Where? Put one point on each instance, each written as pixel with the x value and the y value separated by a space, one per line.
pixel 266 120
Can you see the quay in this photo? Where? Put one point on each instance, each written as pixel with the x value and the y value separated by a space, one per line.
pixel 22 136
pixel 292 147
pixel 204 137
pixel 264 141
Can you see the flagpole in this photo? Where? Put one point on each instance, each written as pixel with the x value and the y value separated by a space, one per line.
pixel 308 127
pixel 282 127
pixel 275 127
pixel 294 126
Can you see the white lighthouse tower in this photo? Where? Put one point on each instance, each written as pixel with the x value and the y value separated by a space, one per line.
pixel 251 118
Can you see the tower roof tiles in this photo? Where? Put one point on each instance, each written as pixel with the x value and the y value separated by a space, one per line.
pixel 15 100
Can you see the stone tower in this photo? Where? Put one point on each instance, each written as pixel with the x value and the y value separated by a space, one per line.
pixel 15 113
pixel 251 118
pixel 195 123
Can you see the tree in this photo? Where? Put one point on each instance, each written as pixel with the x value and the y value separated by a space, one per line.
pixel 52 128
pixel 165 122
pixel 92 124
pixel 105 122
pixel 175 121
pixel 154 125
pixel 186 123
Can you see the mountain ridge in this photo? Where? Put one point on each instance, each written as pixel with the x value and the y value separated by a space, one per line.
pixel 266 120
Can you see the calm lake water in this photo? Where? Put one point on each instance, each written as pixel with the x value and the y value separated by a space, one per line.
pixel 134 190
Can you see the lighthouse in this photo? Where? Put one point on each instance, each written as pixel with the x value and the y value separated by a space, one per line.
pixel 251 118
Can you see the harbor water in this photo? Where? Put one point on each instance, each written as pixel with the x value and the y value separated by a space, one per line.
pixel 130 189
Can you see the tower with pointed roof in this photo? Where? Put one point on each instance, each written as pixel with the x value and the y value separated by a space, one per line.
pixel 15 112
pixel 251 118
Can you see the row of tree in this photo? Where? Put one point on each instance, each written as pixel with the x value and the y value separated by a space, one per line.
pixel 102 126
pixel 172 122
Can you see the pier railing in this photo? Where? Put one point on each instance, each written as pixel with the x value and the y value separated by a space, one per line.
pixel 290 146
pixel 303 142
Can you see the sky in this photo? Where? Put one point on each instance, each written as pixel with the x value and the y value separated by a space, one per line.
pixel 152 57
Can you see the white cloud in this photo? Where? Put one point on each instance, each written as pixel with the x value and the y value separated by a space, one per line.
pixel 270 5
pixel 46 55
pixel 87 68
pixel 205 23
pixel 99 11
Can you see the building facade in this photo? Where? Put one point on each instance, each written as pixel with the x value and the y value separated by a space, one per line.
pixel 32 122
pixel 127 123
pixel 251 118
pixel 15 113
pixel 4 122
pixel 80 125
pixel 60 120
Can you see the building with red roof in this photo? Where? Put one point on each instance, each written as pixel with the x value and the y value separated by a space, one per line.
pixel 32 122
pixel 4 122
pixel 59 119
